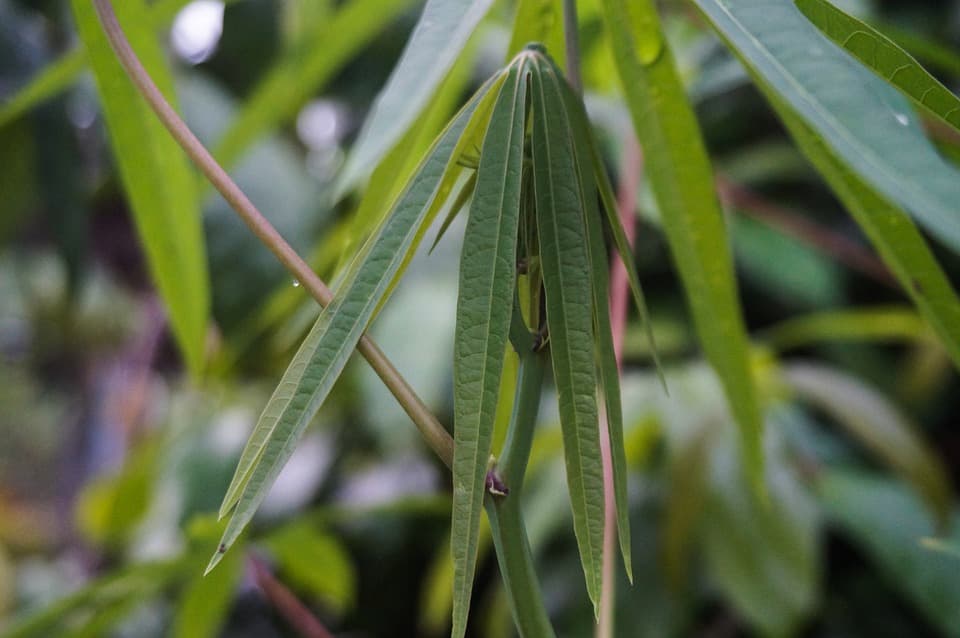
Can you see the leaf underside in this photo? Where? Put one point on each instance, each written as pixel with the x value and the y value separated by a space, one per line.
pixel 864 121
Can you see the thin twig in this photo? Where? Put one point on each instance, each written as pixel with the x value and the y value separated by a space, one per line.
pixel 632 168
pixel 431 429
pixel 824 240
pixel 297 615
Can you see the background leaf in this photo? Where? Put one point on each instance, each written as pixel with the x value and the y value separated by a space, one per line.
pixel 680 174
pixel 156 176
pixel 439 37
pixel 885 519
pixel 869 126
pixel 884 56
pixel 876 423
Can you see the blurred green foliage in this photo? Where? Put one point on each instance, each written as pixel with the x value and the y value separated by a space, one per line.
pixel 112 461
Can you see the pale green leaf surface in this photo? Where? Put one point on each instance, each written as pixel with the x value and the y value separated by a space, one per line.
pixel 682 181
pixel 885 57
pixel 894 235
pixel 325 351
pixel 437 40
pixel 870 418
pixel 155 174
pixel 889 522
pixel 566 279
pixel 863 120
pixel 304 70
pixel 607 365
pixel 316 563
pixel 488 266
pixel 892 323
pixel 206 600
pixel 393 172
pixel 764 558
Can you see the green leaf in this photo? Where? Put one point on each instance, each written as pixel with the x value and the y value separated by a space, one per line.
pixel 466 192
pixel 62 73
pixel 565 262
pixel 764 558
pixel 488 266
pixel 608 367
pixel 315 562
pixel 891 323
pixel 538 21
pixel 870 418
pixel 682 181
pixel 396 168
pixel 895 237
pixel 304 70
pixel 53 79
pixel 884 56
pixel 885 518
pixel 156 175
pixel 205 602
pixel 326 350
pixel 439 37
pixel 134 583
pixel 864 121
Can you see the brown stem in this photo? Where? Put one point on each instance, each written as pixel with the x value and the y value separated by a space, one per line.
pixel 824 240
pixel 632 168
pixel 286 603
pixel 431 429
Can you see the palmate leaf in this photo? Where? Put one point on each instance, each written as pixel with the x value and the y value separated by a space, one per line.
pixel 565 262
pixel 155 173
pixel 437 40
pixel 324 353
pixel 863 120
pixel 884 56
pixel 682 181
pixel 599 265
pixel 484 308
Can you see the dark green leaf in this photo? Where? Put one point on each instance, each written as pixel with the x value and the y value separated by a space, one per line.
pixel 599 265
pixel 156 175
pixel 487 279
pixel 885 518
pixel 565 262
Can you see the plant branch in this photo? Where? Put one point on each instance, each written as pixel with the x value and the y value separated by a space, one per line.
pixel 505 515
pixel 571 35
pixel 632 168
pixel 431 429
pixel 286 603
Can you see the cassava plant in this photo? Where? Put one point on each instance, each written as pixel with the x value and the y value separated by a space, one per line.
pixel 521 162
pixel 533 276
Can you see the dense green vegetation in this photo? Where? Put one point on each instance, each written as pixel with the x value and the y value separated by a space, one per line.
pixel 758 442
